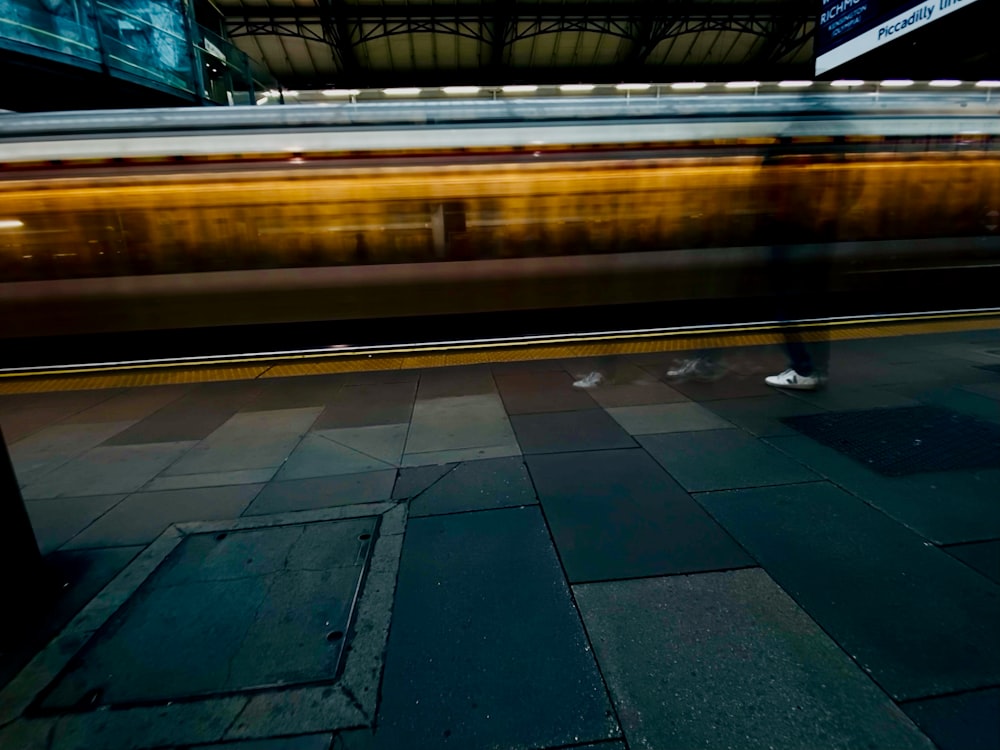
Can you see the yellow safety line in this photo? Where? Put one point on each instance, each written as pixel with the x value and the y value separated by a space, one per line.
pixel 479 353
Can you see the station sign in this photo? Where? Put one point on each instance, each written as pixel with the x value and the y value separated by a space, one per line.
pixel 849 28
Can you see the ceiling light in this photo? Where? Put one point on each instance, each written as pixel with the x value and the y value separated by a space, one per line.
pixel 794 84
pixel 411 91
pixel 945 83
pixel 291 93
pixel 633 86
pixel 263 100
pixel 843 83
pixel 341 92
pixel 988 84
pixel 897 83
pixel 460 89
pixel 688 85
pixel 576 87
pixel 11 223
pixel 742 84
pixel 520 89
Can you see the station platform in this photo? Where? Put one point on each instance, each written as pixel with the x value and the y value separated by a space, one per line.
pixel 487 557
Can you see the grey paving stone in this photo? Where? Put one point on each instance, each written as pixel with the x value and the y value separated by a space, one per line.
pixel 970 721
pixel 945 507
pixel 212 479
pixel 722 459
pixel 131 405
pixel 661 418
pixel 878 589
pixel 107 470
pixel 762 415
pixel 450 382
pixel 458 423
pixel 302 742
pixel 527 365
pixel 729 386
pixel 296 392
pixel 635 394
pixel 616 514
pixel 541 392
pixel 957 399
pixel 345 451
pixel 412 481
pixel 845 398
pixel 323 492
pixel 981 556
pixel 589 430
pixel 57 521
pixel 142 517
pixel 477 485
pixel 54 446
pixel 370 404
pixel 459 454
pixel 192 417
pixel 480 596
pixel 227 612
pixel 726 660
pixel 990 390
pixel 248 440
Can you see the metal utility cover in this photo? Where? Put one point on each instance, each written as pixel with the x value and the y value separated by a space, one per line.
pixel 907 440
pixel 225 613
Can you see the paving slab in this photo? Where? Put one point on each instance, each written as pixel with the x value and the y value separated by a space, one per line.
pixel 635 394
pixel 323 492
pixel 617 514
pixel 107 470
pixel 211 479
pixel 227 612
pixel 944 507
pixel 324 453
pixel 590 430
pixel 412 481
pixel 296 392
pixel 957 399
pixel 456 455
pixel 370 404
pixel 302 742
pixel 248 440
pixel 142 517
pixel 729 386
pixel 450 382
pixel 47 449
pixel 477 485
pixel 981 556
pixel 57 521
pixel 969 721
pixel 723 459
pixel 660 418
pixel 762 415
pixel 194 416
pixel 132 405
pixel 881 591
pixel 727 660
pixel 480 596
pixel 457 423
pixel 541 392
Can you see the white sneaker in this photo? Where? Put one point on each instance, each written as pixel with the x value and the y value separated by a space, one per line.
pixel 589 381
pixel 793 381
pixel 699 369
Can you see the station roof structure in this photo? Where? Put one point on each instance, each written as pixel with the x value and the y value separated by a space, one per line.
pixel 314 44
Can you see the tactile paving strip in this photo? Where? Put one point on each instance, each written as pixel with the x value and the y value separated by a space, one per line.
pixel 907 440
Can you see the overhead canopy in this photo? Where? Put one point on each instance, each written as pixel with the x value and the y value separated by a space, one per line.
pixel 379 43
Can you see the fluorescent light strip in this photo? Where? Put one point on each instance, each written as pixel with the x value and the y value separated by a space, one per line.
pixel 508 341
pixel 945 83
pixel 688 85
pixel 460 90
pixel 897 83
pixel 576 87
pixel 988 84
pixel 341 92
pixel 842 83
pixel 633 86
pixel 794 84
pixel 406 91
pixel 519 89
pixel 742 84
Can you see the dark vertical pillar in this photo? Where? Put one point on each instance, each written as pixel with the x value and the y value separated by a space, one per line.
pixel 193 37
pixel 20 560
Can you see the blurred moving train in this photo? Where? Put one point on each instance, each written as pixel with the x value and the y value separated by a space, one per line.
pixel 172 219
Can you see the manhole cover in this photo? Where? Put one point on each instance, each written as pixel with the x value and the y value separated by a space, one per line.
pixel 226 613
pixel 906 440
